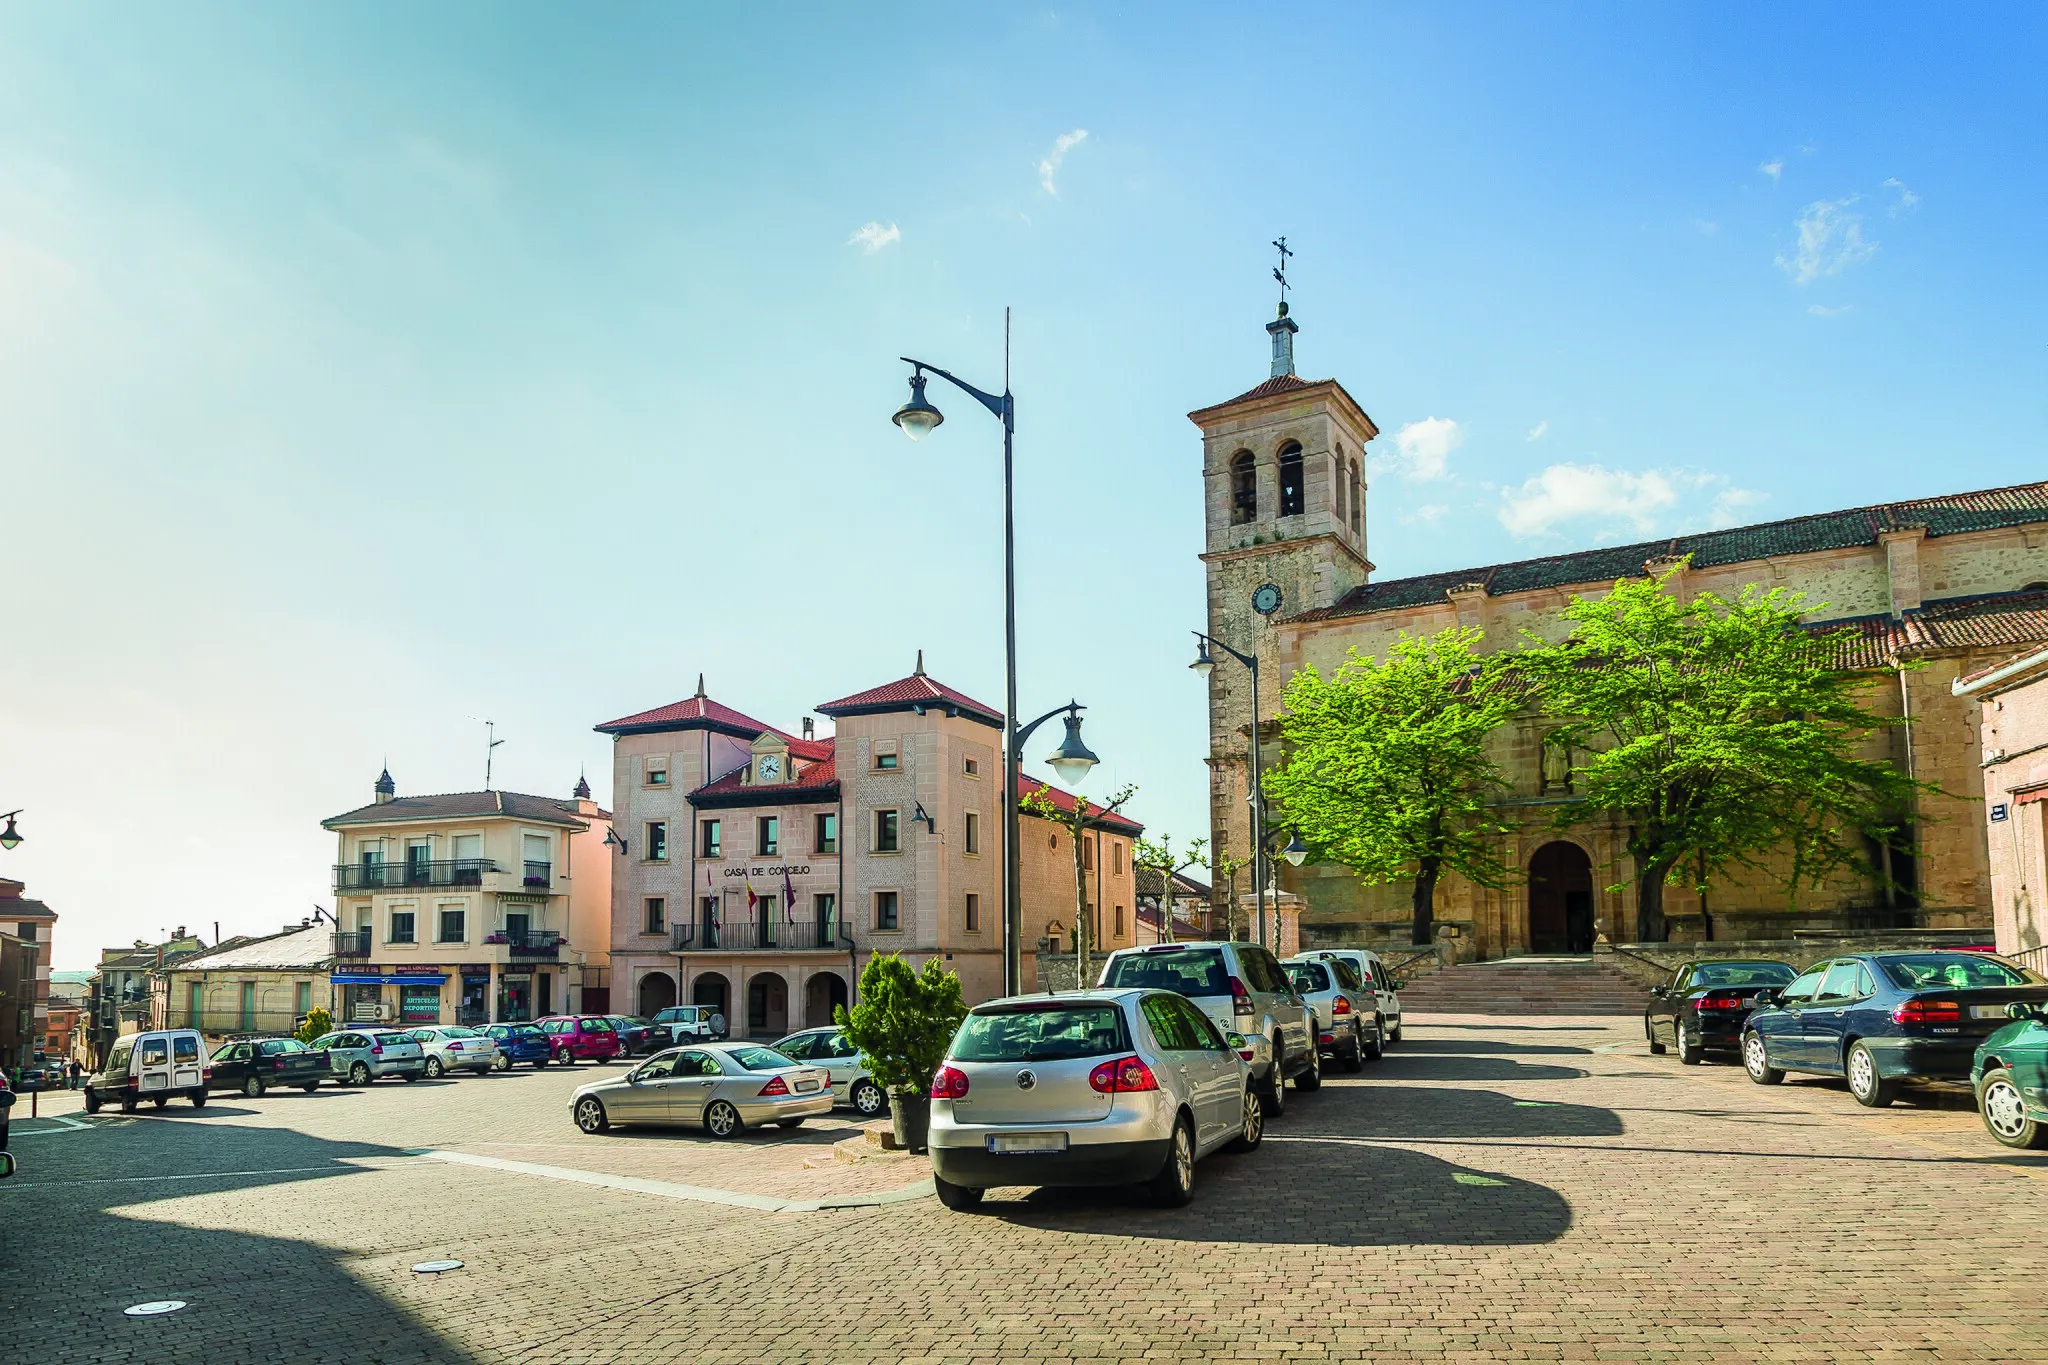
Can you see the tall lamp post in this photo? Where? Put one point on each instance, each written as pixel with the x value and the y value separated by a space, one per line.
pixel 1203 666
pixel 919 418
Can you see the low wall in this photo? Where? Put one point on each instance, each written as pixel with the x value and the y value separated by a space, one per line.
pixel 1800 953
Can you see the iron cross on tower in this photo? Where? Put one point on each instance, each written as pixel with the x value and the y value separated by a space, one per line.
pixel 1280 271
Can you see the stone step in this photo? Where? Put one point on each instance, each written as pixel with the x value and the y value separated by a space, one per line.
pixel 1525 986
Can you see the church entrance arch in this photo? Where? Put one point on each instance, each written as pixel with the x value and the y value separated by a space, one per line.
pixel 1560 899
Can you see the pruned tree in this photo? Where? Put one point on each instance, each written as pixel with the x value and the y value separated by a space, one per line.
pixel 1077 823
pixel 1722 732
pixel 1388 770
pixel 1160 857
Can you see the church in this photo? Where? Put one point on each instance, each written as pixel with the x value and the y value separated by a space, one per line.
pixel 1932 588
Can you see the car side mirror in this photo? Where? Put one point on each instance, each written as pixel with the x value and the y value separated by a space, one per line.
pixel 1658 991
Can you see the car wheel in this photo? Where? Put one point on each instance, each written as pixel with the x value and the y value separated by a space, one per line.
pixel 540 1062
pixel 1690 1053
pixel 1871 1090
pixel 958 1198
pixel 310 1086
pixel 1276 1084
pixel 590 1115
pixel 92 1102
pixel 868 1099
pixel 1353 1056
pixel 1312 1078
pixel 160 1100
pixel 359 1074
pixel 721 1120
pixel 127 1106
pixel 1756 1060
pixel 1395 1036
pixel 252 1086
pixel 1254 1126
pixel 2005 1112
pixel 1375 1046
pixel 796 1122
pixel 1650 1033
pixel 566 1057
pixel 408 1076
pixel 434 1068
pixel 501 1063
pixel 198 1098
pixel 1174 1186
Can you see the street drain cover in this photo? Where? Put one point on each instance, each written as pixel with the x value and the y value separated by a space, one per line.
pixel 150 1310
pixel 435 1267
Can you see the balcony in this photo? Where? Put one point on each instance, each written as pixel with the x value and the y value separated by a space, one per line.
pixel 525 945
pixel 772 936
pixel 537 874
pixel 352 946
pixel 400 876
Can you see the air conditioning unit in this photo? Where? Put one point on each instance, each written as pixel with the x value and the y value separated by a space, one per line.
pixel 384 1012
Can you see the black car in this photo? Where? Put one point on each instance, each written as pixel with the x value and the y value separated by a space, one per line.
pixel 254 1065
pixel 1880 1019
pixel 1701 1008
pixel 637 1037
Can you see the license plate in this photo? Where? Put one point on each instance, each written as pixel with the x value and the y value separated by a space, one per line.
pixel 1027 1142
pixel 1987 1011
pixel 802 1086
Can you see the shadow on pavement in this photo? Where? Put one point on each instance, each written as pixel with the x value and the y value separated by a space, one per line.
pixel 1396 1066
pixel 1396 1114
pixel 1458 1047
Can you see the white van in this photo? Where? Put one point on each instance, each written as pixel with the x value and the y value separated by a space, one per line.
pixel 150 1066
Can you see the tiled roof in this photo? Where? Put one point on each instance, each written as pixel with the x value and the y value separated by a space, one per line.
pixel 1064 801
pixel 310 948
pixel 464 805
pixel 904 693
pixel 818 782
pixel 2003 620
pixel 1279 383
pixel 1183 884
pixel 692 713
pixel 2033 659
pixel 1950 514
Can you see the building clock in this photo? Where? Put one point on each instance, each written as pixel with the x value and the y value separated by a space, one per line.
pixel 1266 599
pixel 771 767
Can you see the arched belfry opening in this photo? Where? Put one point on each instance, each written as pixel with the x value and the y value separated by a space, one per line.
pixel 1293 492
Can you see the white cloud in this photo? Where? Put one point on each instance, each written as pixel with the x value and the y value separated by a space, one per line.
pixel 872 237
pixel 1537 432
pixel 1830 241
pixel 1822 310
pixel 1773 168
pixel 1049 166
pixel 1905 199
pixel 1423 449
pixel 1620 501
pixel 1429 514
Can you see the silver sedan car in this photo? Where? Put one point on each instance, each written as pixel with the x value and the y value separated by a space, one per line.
pixel 851 1084
pixel 1107 1087
pixel 453 1047
pixel 725 1087
pixel 1348 1027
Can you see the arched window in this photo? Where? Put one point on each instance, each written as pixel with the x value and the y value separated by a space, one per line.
pixel 1244 489
pixel 1357 498
pixel 1291 494
pixel 1339 469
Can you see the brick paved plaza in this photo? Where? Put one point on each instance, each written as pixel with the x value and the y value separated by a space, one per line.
pixel 1546 1191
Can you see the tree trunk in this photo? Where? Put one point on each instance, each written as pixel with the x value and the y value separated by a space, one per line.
pixel 1424 932
pixel 1081 925
pixel 1651 926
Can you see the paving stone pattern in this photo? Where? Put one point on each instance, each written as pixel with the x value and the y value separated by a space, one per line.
pixel 1493 1190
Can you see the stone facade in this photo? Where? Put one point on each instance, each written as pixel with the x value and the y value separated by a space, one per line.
pixel 2012 698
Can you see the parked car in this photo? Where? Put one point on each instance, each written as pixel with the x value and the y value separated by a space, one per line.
pixel 638 1037
pixel 519 1043
pixel 1347 1017
pixel 1883 1019
pixel 829 1048
pixel 360 1055
pixel 455 1047
pixel 580 1037
pixel 1242 988
pixel 691 1023
pixel 1702 1007
pixel 6 1103
pixel 157 1066
pixel 254 1065
pixel 725 1087
pixel 1372 970
pixel 1106 1087
pixel 2010 1076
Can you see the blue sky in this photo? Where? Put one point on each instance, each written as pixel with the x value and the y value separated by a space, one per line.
pixel 368 371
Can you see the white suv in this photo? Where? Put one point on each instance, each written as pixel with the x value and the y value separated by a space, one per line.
pixel 1242 988
pixel 1373 971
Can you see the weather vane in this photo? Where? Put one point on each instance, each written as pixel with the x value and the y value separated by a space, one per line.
pixel 1280 271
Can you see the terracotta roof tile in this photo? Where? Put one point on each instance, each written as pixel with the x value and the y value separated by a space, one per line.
pixel 904 693
pixel 818 782
pixel 1993 621
pixel 1064 801
pixel 463 805
pixel 692 713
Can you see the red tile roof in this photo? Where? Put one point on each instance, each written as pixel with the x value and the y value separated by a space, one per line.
pixel 818 782
pixel 692 713
pixel 904 693
pixel 2003 620
pixel 1279 383
pixel 1064 801
pixel 809 750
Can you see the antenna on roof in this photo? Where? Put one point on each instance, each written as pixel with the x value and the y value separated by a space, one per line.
pixel 491 743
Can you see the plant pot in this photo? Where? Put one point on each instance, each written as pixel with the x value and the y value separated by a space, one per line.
pixel 912 1116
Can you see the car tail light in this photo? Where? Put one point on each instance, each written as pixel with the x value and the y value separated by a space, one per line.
pixel 376 1049
pixel 132 1085
pixel 455 1047
pixel 776 1086
pixel 949 1084
pixel 1720 1002
pixel 277 1065
pixel 1245 1053
pixel 1342 1006
pixel 1928 1012
pixel 1326 1037
pixel 1240 999
pixel 1125 1074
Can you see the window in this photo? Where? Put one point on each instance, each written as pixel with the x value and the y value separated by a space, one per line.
pixel 885 760
pixel 885 910
pixel 709 845
pixel 194 995
pixel 1170 1027
pixel 451 928
pixel 823 907
pixel 767 835
pixel 1840 982
pixel 656 917
pixel 466 849
pixel 1337 471
pixel 401 927
pixel 1292 498
pixel 826 834
pixel 657 772
pixel 973 913
pixel 885 832
pixel 1088 855
pixel 971 766
pixel 1244 489
pixel 1116 857
pixel 248 1006
pixel 657 841
pixel 1357 498
pixel 1119 921
pixel 302 998
pixel 973 832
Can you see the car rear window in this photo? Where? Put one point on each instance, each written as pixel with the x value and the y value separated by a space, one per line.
pixel 1742 974
pixel 277 1045
pixel 1188 971
pixel 1041 1033
pixel 523 1031
pixel 1933 971
pixel 759 1058
pixel 1308 976
pixel 598 1026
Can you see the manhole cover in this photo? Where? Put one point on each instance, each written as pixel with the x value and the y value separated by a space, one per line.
pixel 435 1267
pixel 150 1310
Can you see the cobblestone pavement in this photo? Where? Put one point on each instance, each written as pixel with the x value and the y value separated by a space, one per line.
pixel 1490 1191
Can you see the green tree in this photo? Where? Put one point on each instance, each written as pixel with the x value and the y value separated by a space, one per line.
pixel 1077 822
pixel 1387 768
pixel 318 1023
pixel 1159 857
pixel 904 1022
pixel 1721 732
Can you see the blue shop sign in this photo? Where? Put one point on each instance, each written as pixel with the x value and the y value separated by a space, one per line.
pixel 373 979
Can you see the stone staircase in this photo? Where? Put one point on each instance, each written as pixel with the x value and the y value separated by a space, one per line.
pixel 1525 985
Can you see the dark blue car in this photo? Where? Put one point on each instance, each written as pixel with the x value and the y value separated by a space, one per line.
pixel 519 1043
pixel 1882 1019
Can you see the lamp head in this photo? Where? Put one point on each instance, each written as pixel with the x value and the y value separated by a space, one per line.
pixel 1072 760
pixel 10 837
pixel 917 417
pixel 1203 665
pixel 1296 852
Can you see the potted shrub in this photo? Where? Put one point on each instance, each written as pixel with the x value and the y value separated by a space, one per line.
pixel 903 1024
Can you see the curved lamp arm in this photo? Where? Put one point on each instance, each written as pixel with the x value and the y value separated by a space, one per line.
pixel 1003 407
pixel 1250 661
pixel 1024 731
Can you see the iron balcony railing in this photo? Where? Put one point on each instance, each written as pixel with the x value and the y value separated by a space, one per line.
pixel 757 936
pixel 528 943
pixel 538 874
pixel 397 876
pixel 352 945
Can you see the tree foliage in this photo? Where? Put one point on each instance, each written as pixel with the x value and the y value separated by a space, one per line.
pixel 318 1024
pixel 1721 731
pixel 1388 770
pixel 904 1021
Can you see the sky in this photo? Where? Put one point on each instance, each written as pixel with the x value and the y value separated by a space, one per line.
pixel 370 371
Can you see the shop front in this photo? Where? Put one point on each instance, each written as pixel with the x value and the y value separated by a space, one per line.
pixel 415 997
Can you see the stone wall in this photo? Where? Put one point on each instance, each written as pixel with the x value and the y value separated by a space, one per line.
pixel 1801 953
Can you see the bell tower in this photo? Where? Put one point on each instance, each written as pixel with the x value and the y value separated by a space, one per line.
pixel 1283 474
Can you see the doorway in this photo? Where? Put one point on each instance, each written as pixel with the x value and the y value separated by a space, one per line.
pixel 824 993
pixel 767 1006
pixel 657 993
pixel 712 989
pixel 1560 900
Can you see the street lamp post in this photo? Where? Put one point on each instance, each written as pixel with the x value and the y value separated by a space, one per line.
pixel 10 837
pixel 1203 666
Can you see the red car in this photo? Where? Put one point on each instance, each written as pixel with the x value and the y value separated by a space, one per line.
pixel 580 1037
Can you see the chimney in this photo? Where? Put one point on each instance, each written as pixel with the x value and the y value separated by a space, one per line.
pixel 180 933
pixel 386 788
pixel 810 728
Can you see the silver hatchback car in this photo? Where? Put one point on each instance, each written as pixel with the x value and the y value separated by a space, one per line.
pixel 829 1048
pixel 1106 1087
pixel 725 1087
pixel 361 1055
pixel 1347 1014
